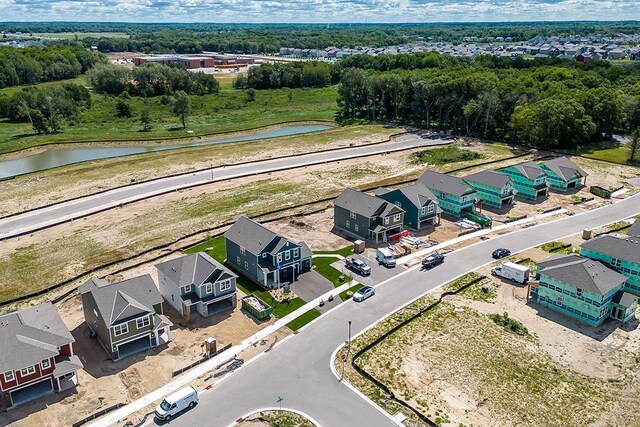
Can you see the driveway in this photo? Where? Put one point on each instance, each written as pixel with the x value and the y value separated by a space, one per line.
pixel 379 273
pixel 311 285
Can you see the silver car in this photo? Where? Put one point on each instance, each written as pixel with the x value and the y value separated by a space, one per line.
pixel 364 293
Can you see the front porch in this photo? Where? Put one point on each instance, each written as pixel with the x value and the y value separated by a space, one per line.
pixel 381 234
pixel 286 274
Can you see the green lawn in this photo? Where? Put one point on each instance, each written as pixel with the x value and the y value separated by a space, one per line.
pixel 445 155
pixel 211 114
pixel 214 247
pixel 345 295
pixel 618 154
pixel 345 252
pixel 302 320
pixel 557 248
pixel 323 266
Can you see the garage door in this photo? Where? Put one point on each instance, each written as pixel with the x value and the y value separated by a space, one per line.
pixel 31 392
pixel 218 306
pixel 134 346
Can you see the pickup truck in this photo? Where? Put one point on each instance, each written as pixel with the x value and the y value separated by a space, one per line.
pixel 432 260
pixel 358 266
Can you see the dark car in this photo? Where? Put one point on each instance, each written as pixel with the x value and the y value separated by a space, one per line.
pixel 501 253
pixel 432 260
pixel 358 266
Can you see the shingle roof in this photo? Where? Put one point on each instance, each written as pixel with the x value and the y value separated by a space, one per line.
pixel 587 274
pixel 194 269
pixel 626 249
pixel 31 335
pixel 624 299
pixel 361 203
pixel 557 259
pixel 445 183
pixel 564 168
pixel 529 169
pixel 116 302
pixel 634 231
pixel 489 178
pixel 250 235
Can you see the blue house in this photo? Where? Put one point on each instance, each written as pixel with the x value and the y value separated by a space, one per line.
pixel 419 203
pixel 563 174
pixel 455 197
pixel 529 180
pixel 264 256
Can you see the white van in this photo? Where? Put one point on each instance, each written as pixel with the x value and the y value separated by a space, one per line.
pixel 177 402
pixel 385 257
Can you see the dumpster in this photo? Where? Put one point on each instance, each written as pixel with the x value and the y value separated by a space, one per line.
pixel 258 308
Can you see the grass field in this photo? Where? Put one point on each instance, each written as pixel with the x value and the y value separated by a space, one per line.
pixel 228 111
pixel 446 155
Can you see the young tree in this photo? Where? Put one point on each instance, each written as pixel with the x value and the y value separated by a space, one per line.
pixel 123 108
pixel 145 119
pixel 182 107
pixel 251 94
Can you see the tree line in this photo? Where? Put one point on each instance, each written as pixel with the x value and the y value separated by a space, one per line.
pixel 43 64
pixel 151 80
pixel 288 74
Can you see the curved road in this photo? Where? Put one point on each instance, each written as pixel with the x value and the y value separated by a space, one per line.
pixel 299 369
pixel 46 217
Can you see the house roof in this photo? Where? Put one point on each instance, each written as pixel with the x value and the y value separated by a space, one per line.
pixel 445 183
pixel 564 168
pixel 489 178
pixel 31 335
pixel 624 299
pixel 250 235
pixel 587 274
pixel 557 259
pixel 529 169
pixel 194 269
pixel 626 249
pixel 417 193
pixel 634 231
pixel 363 204
pixel 117 302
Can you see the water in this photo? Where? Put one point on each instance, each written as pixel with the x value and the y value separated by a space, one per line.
pixel 56 157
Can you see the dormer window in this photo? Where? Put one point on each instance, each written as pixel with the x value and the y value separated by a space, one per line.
pixel 242 250
pixel 579 292
pixel 46 363
pixel 264 255
pixel 353 215
pixel 208 288
pixel 296 253
pixel 386 220
pixel 27 371
pixel 8 376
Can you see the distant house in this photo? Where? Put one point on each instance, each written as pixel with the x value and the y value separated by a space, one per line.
pixel 197 282
pixel 563 174
pixel 455 196
pixel 583 289
pixel 623 255
pixel 368 217
pixel 529 180
pixel 37 355
pixel 420 205
pixel 126 316
pixel 264 256
pixel 493 188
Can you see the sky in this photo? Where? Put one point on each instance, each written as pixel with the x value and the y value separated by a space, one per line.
pixel 317 11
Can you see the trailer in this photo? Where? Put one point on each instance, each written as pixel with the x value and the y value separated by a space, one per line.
pixel 512 271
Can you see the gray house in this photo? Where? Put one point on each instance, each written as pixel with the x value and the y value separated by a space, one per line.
pixel 419 203
pixel 126 316
pixel 367 217
pixel 264 256
pixel 198 282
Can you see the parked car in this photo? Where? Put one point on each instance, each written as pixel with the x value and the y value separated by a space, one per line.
pixel 501 253
pixel 432 260
pixel 385 257
pixel 182 399
pixel 363 293
pixel 358 266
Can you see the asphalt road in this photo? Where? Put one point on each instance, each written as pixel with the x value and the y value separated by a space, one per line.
pixel 38 219
pixel 299 369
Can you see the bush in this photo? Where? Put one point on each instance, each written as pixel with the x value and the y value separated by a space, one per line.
pixel 510 324
pixel 446 155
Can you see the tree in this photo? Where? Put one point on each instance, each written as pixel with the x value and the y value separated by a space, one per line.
pixel 251 94
pixel 634 144
pixel 182 107
pixel 145 119
pixel 123 108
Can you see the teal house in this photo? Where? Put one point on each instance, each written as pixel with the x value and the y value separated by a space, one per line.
pixel 529 180
pixel 493 189
pixel 623 255
pixel 563 174
pixel 420 205
pixel 583 289
pixel 455 196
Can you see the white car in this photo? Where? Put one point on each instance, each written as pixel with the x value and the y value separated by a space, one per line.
pixel 364 293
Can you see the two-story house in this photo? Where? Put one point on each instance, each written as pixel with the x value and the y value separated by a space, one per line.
pixel 583 289
pixel 197 282
pixel 455 196
pixel 127 316
pixel 36 355
pixel 420 205
pixel 264 256
pixel 622 254
pixel 493 189
pixel 529 180
pixel 563 174
pixel 365 216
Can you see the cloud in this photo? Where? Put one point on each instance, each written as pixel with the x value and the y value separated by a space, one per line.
pixel 320 11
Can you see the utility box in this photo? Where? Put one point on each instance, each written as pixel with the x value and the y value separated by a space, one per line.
pixel 358 246
pixel 586 234
pixel 210 346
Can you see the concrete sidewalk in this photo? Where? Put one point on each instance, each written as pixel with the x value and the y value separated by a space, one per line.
pixel 189 376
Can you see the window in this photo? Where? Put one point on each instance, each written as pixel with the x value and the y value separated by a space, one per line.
pixel 398 204
pixel 579 292
pixel 27 371
pixel 264 255
pixel 246 265
pixel 616 262
pixel 431 208
pixel 8 376
pixel 396 217
pixel 604 311
pixel 142 323
pixel 208 288
pixel 353 215
pixel 296 251
pixel 120 329
pixel 348 224
pixel 355 227
pixel 386 220
pixel 238 261
pixel 242 250
pixel 46 363
pixel 423 211
pixel 279 258
pixel 187 289
pixel 287 255
pixel 226 285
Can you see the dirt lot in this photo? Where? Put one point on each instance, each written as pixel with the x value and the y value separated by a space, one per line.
pixel 461 369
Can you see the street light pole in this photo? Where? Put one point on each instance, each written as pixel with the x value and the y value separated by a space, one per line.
pixel 211 164
pixel 346 356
